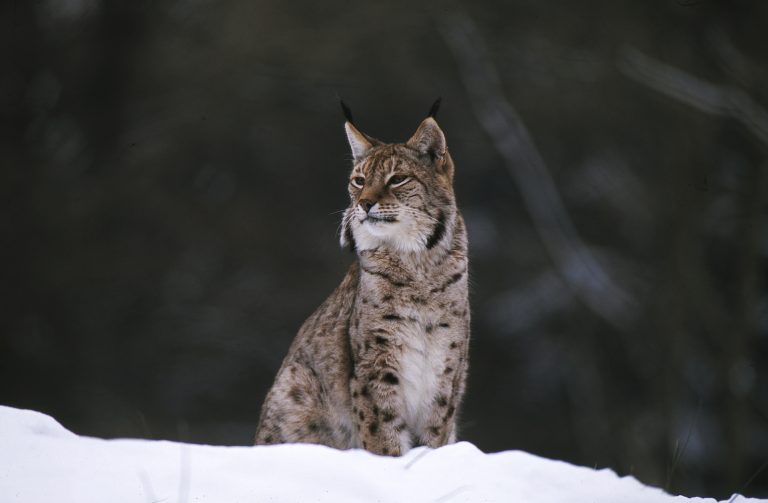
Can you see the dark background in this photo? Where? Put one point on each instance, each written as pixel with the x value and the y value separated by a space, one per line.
pixel 171 175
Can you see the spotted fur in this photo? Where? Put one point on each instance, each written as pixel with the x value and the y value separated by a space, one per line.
pixel 382 363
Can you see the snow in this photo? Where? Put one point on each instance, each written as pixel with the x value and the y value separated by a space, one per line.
pixel 40 461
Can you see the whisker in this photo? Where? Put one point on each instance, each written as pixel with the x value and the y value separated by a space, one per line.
pixel 344 220
pixel 419 213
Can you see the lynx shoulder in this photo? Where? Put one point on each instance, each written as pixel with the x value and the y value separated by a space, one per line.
pixel 382 363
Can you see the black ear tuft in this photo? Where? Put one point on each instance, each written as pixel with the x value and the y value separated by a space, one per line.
pixel 435 107
pixel 347 112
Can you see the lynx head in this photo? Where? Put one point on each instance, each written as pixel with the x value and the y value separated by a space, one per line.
pixel 401 193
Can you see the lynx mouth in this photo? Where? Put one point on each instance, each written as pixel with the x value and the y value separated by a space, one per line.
pixel 376 220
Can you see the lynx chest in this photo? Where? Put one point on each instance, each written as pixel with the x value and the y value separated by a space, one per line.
pixel 422 325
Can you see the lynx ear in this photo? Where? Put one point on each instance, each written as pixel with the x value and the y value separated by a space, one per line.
pixel 358 142
pixel 428 139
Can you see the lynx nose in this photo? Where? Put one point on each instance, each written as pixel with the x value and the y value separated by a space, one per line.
pixel 366 204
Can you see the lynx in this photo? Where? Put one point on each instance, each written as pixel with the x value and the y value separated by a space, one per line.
pixel 382 363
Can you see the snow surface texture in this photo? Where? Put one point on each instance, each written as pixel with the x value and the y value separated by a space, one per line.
pixel 40 461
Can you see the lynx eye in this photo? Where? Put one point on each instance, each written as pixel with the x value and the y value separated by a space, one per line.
pixel 358 182
pixel 397 180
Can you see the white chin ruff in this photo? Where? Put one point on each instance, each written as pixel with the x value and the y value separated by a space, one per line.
pixel 396 235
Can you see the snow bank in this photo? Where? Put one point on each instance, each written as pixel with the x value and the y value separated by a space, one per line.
pixel 40 461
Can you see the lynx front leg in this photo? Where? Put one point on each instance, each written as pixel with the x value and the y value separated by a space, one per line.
pixel 441 420
pixel 441 429
pixel 376 402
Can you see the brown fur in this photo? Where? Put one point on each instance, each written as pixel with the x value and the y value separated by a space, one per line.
pixel 382 363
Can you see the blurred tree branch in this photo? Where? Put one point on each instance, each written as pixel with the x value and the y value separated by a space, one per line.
pixel 741 326
pixel 743 69
pixel 710 98
pixel 583 273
